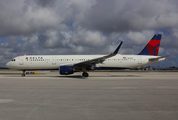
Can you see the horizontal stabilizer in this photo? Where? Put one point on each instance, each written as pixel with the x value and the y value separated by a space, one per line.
pixel 154 59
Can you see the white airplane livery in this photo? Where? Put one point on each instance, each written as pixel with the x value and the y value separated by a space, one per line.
pixel 68 64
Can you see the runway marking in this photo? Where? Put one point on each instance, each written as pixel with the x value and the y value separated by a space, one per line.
pixel 6 100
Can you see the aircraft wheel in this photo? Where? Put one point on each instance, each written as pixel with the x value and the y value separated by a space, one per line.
pixel 85 74
pixel 23 75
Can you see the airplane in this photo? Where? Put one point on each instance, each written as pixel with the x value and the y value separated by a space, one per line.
pixel 68 64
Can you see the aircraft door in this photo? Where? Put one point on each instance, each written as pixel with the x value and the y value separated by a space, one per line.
pixel 53 60
pixel 21 61
pixel 139 60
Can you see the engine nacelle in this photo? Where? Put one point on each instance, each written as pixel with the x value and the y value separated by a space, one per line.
pixel 66 70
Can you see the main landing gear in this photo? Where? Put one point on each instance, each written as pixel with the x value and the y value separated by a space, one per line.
pixel 23 74
pixel 85 74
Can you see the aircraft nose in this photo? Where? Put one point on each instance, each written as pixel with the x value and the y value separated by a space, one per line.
pixel 8 64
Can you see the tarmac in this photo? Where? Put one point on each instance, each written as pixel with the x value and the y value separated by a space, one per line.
pixel 101 96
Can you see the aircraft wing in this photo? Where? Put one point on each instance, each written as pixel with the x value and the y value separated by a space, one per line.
pixel 88 64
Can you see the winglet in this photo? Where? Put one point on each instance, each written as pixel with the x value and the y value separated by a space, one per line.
pixel 117 48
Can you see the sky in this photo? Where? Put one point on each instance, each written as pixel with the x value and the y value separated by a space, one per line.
pixel 59 27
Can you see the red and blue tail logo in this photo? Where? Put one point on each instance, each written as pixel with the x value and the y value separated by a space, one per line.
pixel 152 48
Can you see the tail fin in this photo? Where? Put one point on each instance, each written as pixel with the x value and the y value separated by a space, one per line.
pixel 152 47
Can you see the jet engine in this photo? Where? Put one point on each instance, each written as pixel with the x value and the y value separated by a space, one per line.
pixel 66 70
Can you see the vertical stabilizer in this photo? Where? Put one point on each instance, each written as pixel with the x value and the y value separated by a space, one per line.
pixel 152 48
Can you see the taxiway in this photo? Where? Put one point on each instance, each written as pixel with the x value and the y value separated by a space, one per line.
pixel 102 96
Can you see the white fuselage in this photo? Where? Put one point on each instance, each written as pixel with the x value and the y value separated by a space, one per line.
pixel 52 62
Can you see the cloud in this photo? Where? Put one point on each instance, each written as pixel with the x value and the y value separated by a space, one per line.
pixel 89 38
pixel 126 15
pixel 45 3
pixel 22 18
pixel 86 26
pixel 51 39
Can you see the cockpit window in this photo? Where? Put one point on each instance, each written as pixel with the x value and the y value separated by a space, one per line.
pixel 13 60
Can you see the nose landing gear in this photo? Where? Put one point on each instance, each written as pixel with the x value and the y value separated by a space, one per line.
pixel 23 74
